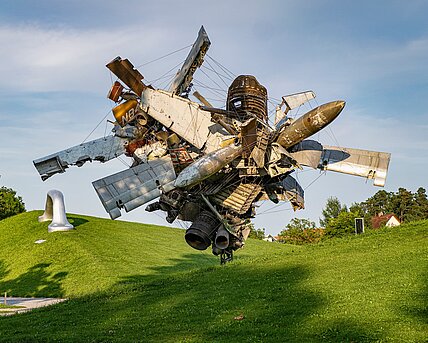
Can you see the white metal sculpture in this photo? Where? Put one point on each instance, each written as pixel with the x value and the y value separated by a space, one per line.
pixel 55 211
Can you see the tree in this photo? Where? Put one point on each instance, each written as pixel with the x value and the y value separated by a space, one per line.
pixel 356 208
pixel 360 210
pixel 332 209
pixel 10 203
pixel 300 231
pixel 257 233
pixel 420 207
pixel 300 224
pixel 404 201
pixel 381 202
pixel 342 225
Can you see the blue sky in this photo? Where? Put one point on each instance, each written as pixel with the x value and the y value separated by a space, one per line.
pixel 372 54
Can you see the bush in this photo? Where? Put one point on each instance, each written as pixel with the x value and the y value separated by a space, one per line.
pixel 301 231
pixel 10 203
pixel 301 237
pixel 342 225
pixel 257 233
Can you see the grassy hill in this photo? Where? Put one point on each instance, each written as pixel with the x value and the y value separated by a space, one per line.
pixel 138 283
pixel 92 258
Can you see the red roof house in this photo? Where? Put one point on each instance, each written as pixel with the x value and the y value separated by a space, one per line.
pixel 389 220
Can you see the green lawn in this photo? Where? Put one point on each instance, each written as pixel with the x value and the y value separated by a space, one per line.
pixel 137 283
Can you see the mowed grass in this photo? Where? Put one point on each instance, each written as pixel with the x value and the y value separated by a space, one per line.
pixel 92 258
pixel 368 288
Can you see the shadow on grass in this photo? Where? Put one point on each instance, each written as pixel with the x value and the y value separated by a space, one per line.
pixel 346 330
pixel 417 306
pixel 232 303
pixel 76 221
pixel 36 282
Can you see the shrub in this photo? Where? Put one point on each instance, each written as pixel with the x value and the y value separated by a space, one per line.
pixel 10 203
pixel 300 237
pixel 342 225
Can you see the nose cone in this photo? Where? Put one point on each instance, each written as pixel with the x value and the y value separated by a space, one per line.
pixel 340 104
pixel 332 109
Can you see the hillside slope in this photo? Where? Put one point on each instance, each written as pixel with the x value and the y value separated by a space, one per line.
pixel 91 258
pixel 367 288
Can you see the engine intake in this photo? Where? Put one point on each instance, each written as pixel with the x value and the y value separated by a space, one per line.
pixel 222 238
pixel 202 231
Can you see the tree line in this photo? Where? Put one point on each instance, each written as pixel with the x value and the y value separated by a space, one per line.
pixel 339 220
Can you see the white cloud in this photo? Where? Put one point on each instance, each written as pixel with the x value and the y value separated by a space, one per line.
pixel 272 40
pixel 41 59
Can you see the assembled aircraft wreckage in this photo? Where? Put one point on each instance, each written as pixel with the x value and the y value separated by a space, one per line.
pixel 208 165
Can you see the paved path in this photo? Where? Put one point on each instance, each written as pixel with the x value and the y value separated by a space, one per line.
pixel 26 304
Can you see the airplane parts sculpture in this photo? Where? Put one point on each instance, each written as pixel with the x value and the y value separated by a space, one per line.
pixel 207 165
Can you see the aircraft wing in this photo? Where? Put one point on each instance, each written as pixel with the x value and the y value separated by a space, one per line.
pixel 365 163
pixel 101 149
pixel 135 186
pixel 180 115
pixel 358 162
pixel 194 60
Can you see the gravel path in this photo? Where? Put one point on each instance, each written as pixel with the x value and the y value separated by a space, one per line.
pixel 26 304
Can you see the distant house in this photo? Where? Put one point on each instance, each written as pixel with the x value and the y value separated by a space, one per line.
pixel 388 220
pixel 269 238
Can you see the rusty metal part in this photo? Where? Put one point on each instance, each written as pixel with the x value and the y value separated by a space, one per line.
pixel 222 238
pixel 162 136
pixel 180 158
pixel 216 184
pixel 218 119
pixel 173 141
pixel 280 161
pixel 202 99
pixel 259 151
pixel 248 136
pixel 247 98
pixel 190 211
pixel 225 113
pixel 126 72
pixel 134 145
pixel 115 91
pixel 237 197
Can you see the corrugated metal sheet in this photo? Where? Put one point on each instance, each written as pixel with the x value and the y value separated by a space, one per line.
pixel 238 198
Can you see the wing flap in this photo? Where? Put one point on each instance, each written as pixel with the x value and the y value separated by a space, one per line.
pixel 364 163
pixel 135 186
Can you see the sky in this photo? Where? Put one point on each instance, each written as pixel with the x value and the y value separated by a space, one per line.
pixel 372 54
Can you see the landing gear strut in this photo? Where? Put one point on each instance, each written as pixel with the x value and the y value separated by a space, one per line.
pixel 226 256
